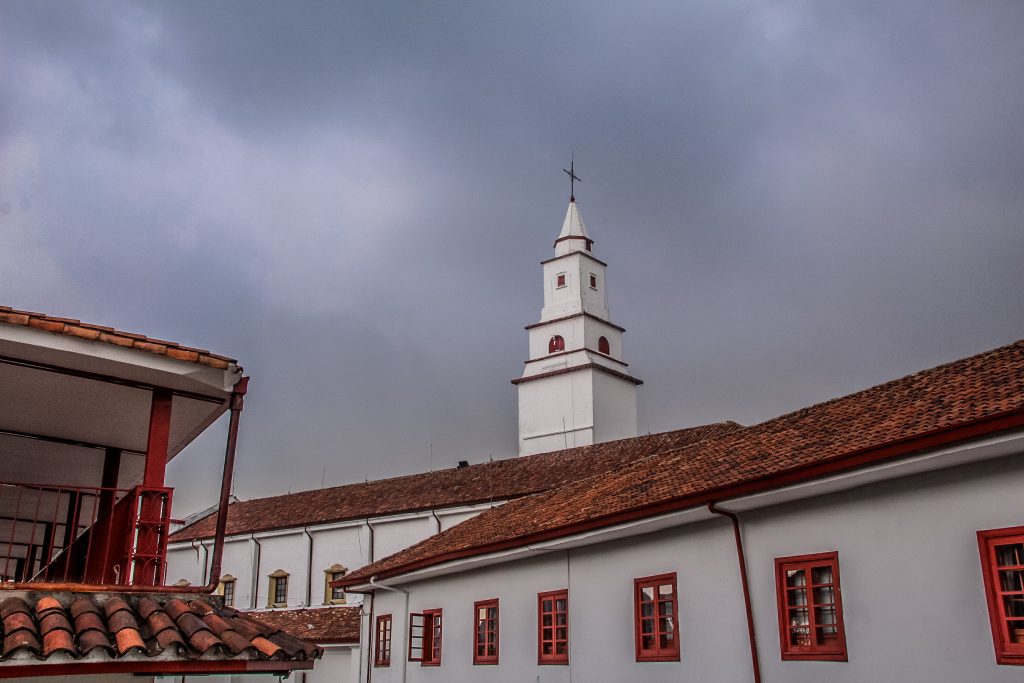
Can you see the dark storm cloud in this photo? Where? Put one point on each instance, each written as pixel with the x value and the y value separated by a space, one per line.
pixel 797 200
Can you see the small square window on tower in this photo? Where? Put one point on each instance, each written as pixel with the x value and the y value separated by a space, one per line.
pixel 593 281
pixel 560 280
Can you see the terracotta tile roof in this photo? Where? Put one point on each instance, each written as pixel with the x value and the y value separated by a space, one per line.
pixel 497 480
pixel 969 397
pixel 337 624
pixel 40 627
pixel 76 328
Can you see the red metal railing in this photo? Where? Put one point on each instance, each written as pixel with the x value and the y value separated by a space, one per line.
pixel 81 534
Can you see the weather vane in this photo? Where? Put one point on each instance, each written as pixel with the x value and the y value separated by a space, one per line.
pixel 573 178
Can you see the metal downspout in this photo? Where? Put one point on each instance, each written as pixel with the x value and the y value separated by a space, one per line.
pixel 746 588
pixel 373 582
pixel 309 569
pixel 237 402
pixel 371 630
pixel 255 570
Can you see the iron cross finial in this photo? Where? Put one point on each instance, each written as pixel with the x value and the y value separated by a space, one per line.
pixel 573 178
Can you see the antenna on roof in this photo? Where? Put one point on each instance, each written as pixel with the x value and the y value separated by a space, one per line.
pixel 490 481
pixel 323 475
pixel 431 457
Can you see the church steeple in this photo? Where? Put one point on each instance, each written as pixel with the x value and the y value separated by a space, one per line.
pixel 575 389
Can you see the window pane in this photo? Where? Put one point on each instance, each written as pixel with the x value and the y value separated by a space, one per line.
pixel 821 575
pixel 665 589
pixel 1014 605
pixel 795 577
pixel 665 608
pixel 824 596
pixel 665 624
pixel 647 642
pixel 647 609
pixel 647 594
pixel 546 634
pixel 546 620
pixel 800 636
pixel 1017 631
pixel 561 647
pixel 799 617
pixel 546 647
pixel 560 634
pixel 1011 579
pixel 797 597
pixel 545 605
pixel 561 618
pixel 560 605
pixel 665 640
pixel 826 634
pixel 1010 555
pixel 647 625
pixel 825 615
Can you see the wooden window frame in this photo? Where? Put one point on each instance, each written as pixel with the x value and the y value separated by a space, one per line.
pixel 382 641
pixel 333 573
pixel 430 637
pixel 491 633
pixel 604 346
pixel 812 651
pixel 275 579
pixel 554 657
pixel 229 594
pixel 561 280
pixel 1006 649
pixel 593 281
pixel 556 344
pixel 657 653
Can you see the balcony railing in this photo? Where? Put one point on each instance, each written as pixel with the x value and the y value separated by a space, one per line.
pixel 83 535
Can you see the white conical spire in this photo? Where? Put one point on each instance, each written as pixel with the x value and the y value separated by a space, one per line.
pixel 573 225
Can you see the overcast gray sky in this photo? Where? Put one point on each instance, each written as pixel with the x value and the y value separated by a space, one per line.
pixel 796 200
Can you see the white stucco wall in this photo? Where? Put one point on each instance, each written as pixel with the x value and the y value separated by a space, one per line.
pixel 913 598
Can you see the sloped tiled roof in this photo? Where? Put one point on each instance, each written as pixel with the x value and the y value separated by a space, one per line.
pixel 335 624
pixel 56 628
pixel 969 397
pixel 497 480
pixel 89 331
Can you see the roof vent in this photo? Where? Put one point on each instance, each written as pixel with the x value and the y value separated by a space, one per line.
pixel 463 464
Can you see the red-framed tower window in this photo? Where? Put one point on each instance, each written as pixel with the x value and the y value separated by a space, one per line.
pixel 810 607
pixel 556 344
pixel 603 346
pixel 1002 564
pixel 382 644
pixel 593 281
pixel 485 633
pixel 425 637
pixel 560 280
pixel 656 613
pixel 553 627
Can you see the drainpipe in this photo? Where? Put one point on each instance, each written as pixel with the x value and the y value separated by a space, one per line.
pixel 746 587
pixel 206 565
pixel 369 528
pixel 373 582
pixel 371 630
pixel 309 568
pixel 436 519
pixel 255 569
pixel 237 401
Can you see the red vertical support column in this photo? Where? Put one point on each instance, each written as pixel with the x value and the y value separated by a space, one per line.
pixel 146 570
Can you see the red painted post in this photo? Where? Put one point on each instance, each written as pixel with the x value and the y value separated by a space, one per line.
pixel 148 541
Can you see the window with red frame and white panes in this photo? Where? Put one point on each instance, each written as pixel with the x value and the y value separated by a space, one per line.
pixel 810 607
pixel 656 613
pixel 1002 564
pixel 553 627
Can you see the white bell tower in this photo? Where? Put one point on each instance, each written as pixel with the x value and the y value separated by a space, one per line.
pixel 576 389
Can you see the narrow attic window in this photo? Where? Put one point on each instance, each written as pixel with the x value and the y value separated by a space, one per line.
pixel 603 346
pixel 334 596
pixel 556 344
pixel 810 607
pixel 1002 563
pixel 277 595
pixel 227 589
pixel 560 280
pixel 593 281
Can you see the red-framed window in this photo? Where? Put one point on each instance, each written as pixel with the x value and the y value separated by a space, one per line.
pixel 425 637
pixel 553 627
pixel 1002 564
pixel 656 613
pixel 556 344
pixel 603 346
pixel 810 607
pixel 593 281
pixel 560 280
pixel 382 644
pixel 485 634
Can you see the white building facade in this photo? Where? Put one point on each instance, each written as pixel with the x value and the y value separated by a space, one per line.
pixel 576 388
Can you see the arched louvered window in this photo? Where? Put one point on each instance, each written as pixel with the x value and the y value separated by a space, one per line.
pixel 603 346
pixel 556 344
